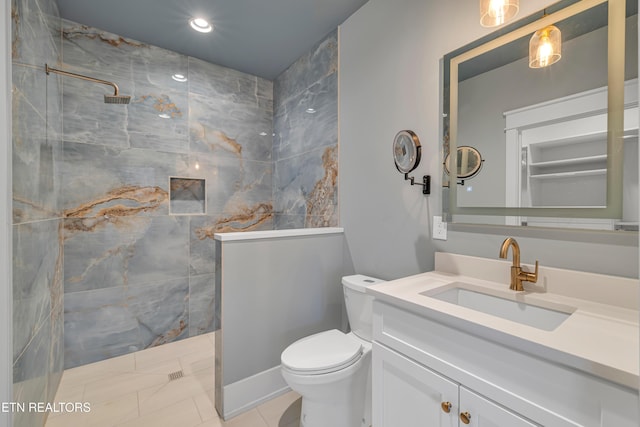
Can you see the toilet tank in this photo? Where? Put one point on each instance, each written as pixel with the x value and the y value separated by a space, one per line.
pixel 359 304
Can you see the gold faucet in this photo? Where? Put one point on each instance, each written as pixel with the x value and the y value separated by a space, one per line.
pixel 517 275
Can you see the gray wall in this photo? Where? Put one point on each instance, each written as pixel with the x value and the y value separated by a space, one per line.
pixel 305 145
pixel 389 80
pixel 37 216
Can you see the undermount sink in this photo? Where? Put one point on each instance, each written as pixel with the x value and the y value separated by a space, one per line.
pixel 469 296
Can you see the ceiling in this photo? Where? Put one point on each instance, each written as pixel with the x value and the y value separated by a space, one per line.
pixel 260 37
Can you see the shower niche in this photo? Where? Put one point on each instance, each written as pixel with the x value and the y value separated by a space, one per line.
pixel 187 196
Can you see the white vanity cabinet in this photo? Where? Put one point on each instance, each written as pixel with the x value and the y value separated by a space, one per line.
pixel 421 362
pixel 408 394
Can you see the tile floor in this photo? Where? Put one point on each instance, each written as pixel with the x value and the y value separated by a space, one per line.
pixel 135 391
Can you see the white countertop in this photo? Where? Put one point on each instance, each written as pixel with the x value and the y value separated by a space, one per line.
pixel 601 339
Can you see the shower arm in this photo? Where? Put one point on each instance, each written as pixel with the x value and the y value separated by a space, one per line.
pixel 81 77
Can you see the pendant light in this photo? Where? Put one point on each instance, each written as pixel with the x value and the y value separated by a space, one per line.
pixel 497 12
pixel 545 47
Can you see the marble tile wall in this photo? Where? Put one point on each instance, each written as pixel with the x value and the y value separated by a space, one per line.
pixel 37 219
pixel 96 186
pixel 305 143
pixel 136 274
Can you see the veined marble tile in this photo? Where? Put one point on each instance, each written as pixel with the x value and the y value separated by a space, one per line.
pixel 226 85
pixel 30 376
pixel 236 188
pixel 158 119
pixel 98 325
pixel 288 222
pixel 298 131
pixel 105 323
pixel 106 55
pixel 226 128
pixel 89 120
pixel 162 311
pixel 96 177
pixel 307 185
pixel 320 62
pixel 56 351
pixel 265 94
pixel 201 246
pixel 36 179
pixel 202 317
pixel 247 218
pixel 142 72
pixel 36 269
pixel 35 32
pixel 124 251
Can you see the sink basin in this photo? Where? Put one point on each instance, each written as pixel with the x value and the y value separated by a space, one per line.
pixel 469 296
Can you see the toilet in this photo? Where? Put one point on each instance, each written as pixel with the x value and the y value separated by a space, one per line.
pixel 331 370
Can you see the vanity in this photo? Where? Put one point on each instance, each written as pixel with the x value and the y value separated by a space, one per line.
pixel 456 347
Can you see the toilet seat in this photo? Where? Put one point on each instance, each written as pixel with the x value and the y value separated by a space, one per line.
pixel 322 353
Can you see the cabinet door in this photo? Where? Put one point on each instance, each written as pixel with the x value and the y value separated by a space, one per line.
pixel 480 412
pixel 409 395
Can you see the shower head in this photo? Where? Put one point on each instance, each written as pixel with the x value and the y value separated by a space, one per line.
pixel 116 98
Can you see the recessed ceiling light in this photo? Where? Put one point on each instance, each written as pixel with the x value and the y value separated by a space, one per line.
pixel 179 77
pixel 200 24
pixel 311 110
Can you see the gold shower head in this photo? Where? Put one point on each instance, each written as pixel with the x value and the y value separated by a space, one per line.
pixel 116 98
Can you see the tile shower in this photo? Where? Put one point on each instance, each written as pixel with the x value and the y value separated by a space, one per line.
pixel 94 234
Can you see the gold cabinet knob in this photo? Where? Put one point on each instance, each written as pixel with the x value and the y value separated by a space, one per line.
pixel 465 417
pixel 446 406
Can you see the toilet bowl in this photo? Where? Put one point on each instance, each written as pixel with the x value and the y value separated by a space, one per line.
pixel 331 370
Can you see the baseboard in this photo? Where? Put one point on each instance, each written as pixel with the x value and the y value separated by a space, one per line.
pixel 252 391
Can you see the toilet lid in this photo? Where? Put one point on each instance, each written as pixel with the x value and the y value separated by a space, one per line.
pixel 322 353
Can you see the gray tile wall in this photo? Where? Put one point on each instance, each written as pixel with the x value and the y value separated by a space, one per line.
pixel 37 219
pixel 95 187
pixel 305 146
pixel 136 275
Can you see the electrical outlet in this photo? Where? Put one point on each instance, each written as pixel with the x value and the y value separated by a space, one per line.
pixel 439 228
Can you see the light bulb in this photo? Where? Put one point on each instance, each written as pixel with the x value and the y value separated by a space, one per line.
pixel 545 50
pixel 497 10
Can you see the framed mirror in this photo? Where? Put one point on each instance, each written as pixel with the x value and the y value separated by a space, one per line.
pixel 563 139
pixel 469 163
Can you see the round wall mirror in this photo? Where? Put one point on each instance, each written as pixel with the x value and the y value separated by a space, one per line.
pixel 406 151
pixel 469 162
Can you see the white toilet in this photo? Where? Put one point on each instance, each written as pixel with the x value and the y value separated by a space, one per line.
pixel 331 370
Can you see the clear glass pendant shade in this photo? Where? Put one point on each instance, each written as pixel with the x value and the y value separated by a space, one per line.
pixel 545 47
pixel 497 12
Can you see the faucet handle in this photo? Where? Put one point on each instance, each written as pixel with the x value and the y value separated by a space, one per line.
pixel 530 277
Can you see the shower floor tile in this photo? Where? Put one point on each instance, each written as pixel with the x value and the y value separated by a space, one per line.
pixel 135 390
